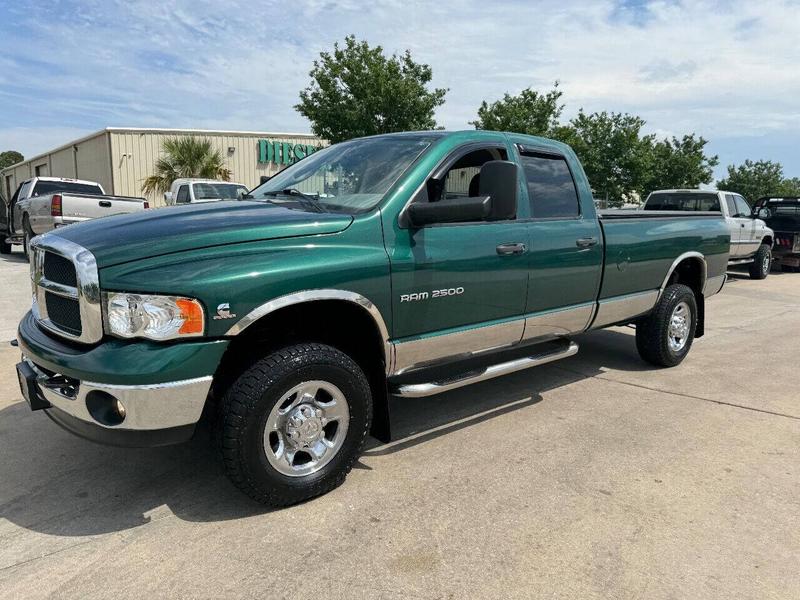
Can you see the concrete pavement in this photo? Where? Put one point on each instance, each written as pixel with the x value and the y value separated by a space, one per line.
pixel 594 477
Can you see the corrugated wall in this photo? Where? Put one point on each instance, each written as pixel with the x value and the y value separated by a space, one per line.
pixel 90 155
pixel 134 154
pixel 62 163
pixel 94 163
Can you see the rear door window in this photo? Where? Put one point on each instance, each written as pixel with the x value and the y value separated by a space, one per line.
pixel 23 191
pixel 183 195
pixel 551 190
pixel 731 205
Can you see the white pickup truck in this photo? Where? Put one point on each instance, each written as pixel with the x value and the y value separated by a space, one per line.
pixel 194 190
pixel 42 204
pixel 751 239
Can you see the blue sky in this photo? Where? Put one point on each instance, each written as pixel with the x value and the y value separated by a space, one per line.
pixel 727 70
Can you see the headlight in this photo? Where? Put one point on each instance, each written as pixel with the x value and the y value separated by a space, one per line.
pixel 153 317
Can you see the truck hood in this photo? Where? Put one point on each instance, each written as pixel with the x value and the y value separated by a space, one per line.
pixel 125 238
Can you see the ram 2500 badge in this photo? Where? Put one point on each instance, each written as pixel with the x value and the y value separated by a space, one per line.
pixel 407 264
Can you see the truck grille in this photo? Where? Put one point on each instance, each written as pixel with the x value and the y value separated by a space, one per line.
pixel 60 270
pixel 64 313
pixel 66 290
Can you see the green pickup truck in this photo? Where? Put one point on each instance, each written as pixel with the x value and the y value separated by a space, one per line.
pixel 406 264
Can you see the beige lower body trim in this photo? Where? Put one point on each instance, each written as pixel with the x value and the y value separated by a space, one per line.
pixel 435 349
pixel 620 309
pixel 463 344
pixel 714 285
pixel 558 322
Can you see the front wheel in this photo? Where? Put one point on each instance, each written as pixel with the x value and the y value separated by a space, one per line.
pixel 759 269
pixel 665 336
pixel 293 424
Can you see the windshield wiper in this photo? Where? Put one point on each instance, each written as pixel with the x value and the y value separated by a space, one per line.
pixel 307 199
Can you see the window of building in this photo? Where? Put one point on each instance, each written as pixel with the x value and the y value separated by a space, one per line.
pixel 551 189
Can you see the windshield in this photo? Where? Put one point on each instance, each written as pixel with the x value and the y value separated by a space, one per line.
pixel 221 191
pixel 348 177
pixel 683 201
pixel 70 187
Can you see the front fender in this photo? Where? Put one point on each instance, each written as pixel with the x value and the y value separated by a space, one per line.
pixel 245 276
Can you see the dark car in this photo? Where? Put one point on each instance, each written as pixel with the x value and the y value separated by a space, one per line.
pixel 782 215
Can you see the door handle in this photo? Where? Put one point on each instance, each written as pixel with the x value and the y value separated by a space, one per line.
pixel 586 242
pixel 742 224
pixel 105 203
pixel 514 248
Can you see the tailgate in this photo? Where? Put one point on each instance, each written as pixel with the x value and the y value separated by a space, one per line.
pixel 79 207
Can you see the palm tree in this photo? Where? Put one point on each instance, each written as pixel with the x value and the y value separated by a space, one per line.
pixel 186 157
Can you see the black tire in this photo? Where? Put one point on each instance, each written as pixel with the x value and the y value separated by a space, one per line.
pixel 762 263
pixel 27 235
pixel 246 407
pixel 5 247
pixel 653 331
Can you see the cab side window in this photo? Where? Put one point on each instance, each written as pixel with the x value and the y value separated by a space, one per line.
pixel 462 180
pixel 183 195
pixel 551 189
pixel 742 207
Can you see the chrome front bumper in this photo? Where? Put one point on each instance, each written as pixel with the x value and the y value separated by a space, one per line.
pixel 147 408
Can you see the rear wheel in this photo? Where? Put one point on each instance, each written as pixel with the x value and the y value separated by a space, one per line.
pixel 293 424
pixel 759 269
pixel 27 236
pixel 5 247
pixel 665 336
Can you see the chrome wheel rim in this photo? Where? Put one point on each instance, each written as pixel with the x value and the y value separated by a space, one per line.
pixel 766 263
pixel 306 428
pixel 679 324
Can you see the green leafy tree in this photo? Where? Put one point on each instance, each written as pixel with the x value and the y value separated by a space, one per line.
pixel 789 187
pixel 186 157
pixel 677 163
pixel 530 112
pixel 755 179
pixel 612 150
pixel 10 157
pixel 357 90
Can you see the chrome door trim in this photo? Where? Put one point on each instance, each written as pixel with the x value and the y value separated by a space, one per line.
pixel 312 296
pixel 621 308
pixel 558 322
pixel 679 260
pixel 440 348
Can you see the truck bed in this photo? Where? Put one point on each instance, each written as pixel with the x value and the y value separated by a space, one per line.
pixel 640 247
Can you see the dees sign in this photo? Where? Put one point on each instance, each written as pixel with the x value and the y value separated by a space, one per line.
pixel 279 152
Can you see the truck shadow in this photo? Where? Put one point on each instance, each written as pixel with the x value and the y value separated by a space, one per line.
pixel 14 257
pixel 57 484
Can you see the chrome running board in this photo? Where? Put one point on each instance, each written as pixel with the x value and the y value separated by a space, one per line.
pixel 420 390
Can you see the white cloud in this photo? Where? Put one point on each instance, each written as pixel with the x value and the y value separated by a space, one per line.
pixel 722 69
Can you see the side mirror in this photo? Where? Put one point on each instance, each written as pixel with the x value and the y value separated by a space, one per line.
pixel 496 200
pixel 499 182
pixel 764 213
pixel 457 210
pixel 264 179
pixel 168 197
